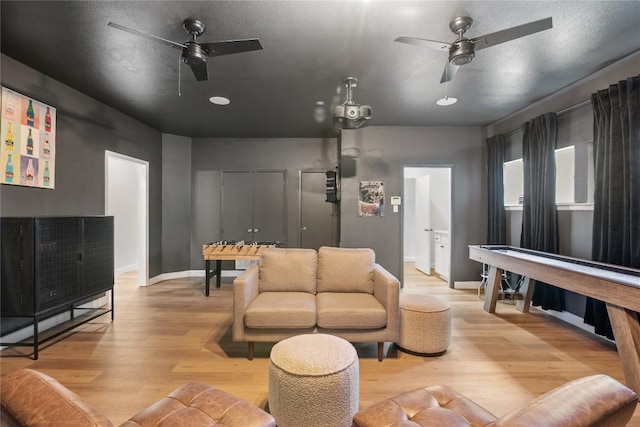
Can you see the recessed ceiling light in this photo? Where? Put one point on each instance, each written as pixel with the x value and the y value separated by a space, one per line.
pixel 446 101
pixel 219 100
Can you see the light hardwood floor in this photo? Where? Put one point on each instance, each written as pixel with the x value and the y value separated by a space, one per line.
pixel 170 333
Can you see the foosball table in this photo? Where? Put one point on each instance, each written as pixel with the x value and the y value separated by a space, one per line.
pixel 229 250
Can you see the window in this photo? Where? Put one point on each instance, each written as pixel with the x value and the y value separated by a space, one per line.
pixel 573 185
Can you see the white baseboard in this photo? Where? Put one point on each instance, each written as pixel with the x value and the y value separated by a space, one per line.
pixel 409 259
pixel 125 269
pixel 574 320
pixel 188 273
pixel 472 284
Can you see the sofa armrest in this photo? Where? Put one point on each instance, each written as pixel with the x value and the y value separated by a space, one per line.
pixel 596 400
pixel 245 290
pixel 35 399
pixel 386 289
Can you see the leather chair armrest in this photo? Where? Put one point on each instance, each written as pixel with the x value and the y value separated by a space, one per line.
pixel 596 400
pixel 35 399
pixel 245 290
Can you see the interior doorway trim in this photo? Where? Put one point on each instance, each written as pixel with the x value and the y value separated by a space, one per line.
pixel 142 193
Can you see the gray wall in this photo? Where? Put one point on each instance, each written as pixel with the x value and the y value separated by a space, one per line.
pixel 176 203
pixel 85 129
pixel 380 153
pixel 210 156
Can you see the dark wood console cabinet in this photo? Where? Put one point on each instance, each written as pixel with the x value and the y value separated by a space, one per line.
pixel 54 265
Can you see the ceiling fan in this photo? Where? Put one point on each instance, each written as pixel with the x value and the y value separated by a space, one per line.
pixel 462 50
pixel 195 54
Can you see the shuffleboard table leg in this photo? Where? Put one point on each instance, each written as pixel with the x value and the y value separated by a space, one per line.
pixel 492 290
pixel 626 332
pixel 527 292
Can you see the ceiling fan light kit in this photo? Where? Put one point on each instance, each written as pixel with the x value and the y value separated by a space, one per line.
pixel 350 115
pixel 446 101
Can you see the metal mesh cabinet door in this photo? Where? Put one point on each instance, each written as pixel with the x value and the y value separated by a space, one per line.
pixel 57 261
pixel 97 254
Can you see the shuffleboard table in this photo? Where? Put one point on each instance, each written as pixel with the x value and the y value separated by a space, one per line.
pixel 618 287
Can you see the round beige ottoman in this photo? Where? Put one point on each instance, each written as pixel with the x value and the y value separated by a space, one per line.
pixel 313 381
pixel 425 324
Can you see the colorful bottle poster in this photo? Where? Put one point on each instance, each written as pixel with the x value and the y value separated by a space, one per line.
pixel 27 141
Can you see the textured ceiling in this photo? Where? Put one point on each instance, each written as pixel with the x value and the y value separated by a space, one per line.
pixel 309 47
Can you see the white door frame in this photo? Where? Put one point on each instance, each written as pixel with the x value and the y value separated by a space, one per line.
pixel 142 190
pixel 451 215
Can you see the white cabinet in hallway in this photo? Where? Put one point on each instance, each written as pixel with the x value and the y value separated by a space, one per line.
pixel 442 253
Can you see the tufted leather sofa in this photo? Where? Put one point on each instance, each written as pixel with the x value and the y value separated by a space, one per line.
pixel 594 401
pixel 335 291
pixel 33 399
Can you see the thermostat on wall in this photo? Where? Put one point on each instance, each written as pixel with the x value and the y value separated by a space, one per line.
pixel 396 200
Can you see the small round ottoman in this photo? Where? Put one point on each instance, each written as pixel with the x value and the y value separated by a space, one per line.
pixel 425 324
pixel 313 381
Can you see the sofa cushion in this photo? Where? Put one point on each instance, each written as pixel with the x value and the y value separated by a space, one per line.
pixel 282 310
pixel 288 270
pixel 345 270
pixel 340 310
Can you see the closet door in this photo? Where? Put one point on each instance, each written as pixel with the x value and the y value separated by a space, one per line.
pixel 237 205
pixel 318 224
pixel 269 206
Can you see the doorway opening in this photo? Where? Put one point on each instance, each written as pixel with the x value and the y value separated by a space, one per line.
pixel 127 200
pixel 426 222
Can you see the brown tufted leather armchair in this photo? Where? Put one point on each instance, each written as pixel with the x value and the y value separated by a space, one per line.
pixel 33 399
pixel 594 401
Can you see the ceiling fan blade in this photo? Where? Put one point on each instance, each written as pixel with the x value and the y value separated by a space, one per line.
pixel 449 72
pixel 200 71
pixel 424 42
pixel 231 46
pixel 512 33
pixel 147 36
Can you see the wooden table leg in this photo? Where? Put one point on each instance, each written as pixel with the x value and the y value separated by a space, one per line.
pixel 626 332
pixel 492 289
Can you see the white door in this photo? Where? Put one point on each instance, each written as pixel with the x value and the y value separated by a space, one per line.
pixel 423 224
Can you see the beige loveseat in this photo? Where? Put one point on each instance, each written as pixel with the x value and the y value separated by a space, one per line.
pixel 337 291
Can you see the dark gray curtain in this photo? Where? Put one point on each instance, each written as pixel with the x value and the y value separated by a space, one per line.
pixel 539 216
pixel 616 210
pixel 497 221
